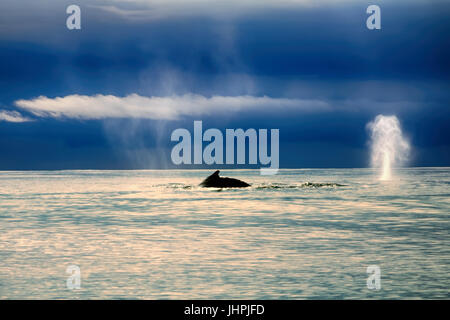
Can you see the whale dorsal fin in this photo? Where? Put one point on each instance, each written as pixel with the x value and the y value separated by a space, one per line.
pixel 216 173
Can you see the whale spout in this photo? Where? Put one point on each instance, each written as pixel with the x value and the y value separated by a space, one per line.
pixel 214 181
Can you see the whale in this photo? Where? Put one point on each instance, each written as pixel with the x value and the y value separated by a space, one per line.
pixel 214 181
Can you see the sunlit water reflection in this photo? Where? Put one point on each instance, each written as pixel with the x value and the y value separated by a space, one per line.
pixel 157 235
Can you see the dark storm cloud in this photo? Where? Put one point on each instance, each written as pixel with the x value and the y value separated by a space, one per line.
pixel 322 53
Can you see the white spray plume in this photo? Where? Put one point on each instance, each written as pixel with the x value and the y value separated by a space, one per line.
pixel 389 147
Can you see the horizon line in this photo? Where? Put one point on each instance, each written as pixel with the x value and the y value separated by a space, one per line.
pixel 235 169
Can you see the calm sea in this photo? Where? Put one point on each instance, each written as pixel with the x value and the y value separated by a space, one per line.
pixel 301 234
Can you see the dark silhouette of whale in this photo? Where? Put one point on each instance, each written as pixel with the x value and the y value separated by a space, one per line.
pixel 214 181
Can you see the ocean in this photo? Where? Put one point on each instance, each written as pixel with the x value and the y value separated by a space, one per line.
pixel 154 234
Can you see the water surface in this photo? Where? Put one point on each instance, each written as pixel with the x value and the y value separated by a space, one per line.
pixel 301 234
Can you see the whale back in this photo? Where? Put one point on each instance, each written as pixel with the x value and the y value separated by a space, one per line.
pixel 215 181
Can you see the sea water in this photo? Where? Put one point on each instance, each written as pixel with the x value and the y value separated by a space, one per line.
pixel 300 234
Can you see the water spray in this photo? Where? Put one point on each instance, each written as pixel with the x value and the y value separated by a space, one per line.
pixel 388 146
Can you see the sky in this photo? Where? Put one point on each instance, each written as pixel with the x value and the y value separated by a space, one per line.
pixel 109 95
